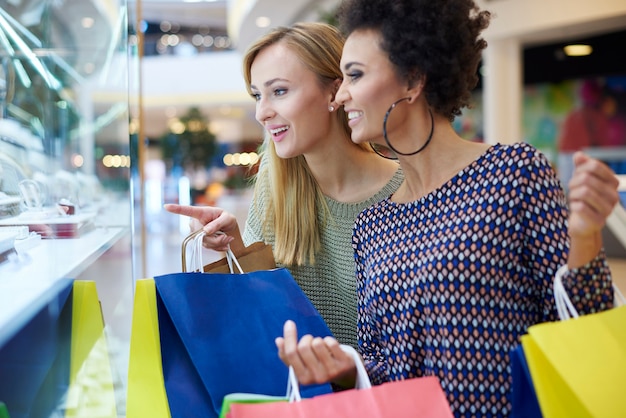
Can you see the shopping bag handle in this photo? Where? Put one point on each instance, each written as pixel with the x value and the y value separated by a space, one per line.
pixel 193 237
pixel 362 379
pixel 196 253
pixel 564 305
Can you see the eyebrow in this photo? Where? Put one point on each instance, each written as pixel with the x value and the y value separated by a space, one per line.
pixel 350 64
pixel 268 82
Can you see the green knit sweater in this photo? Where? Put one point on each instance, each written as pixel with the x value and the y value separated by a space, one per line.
pixel 330 283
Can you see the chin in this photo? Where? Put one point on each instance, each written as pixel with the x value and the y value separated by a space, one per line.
pixel 359 139
pixel 283 154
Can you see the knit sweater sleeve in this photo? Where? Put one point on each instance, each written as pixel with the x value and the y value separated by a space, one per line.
pixel 253 230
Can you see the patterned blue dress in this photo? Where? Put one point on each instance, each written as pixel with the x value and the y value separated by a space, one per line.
pixel 447 284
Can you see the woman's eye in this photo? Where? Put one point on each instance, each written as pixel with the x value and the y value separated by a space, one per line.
pixel 354 75
pixel 256 96
pixel 279 92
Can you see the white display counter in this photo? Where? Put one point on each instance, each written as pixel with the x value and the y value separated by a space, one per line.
pixel 29 280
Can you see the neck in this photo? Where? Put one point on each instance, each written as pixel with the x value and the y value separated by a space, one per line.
pixel 350 173
pixel 445 156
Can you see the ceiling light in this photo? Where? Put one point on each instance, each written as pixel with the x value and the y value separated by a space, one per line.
pixel 263 21
pixel 577 50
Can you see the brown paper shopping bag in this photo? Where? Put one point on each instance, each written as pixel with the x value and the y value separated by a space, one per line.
pixel 255 257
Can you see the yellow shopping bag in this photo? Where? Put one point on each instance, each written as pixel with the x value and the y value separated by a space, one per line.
pixel 146 395
pixel 91 388
pixel 578 366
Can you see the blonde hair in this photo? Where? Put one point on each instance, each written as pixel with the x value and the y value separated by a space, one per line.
pixel 295 201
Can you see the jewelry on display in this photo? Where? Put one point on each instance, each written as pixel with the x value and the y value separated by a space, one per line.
pixel 331 108
pixel 430 135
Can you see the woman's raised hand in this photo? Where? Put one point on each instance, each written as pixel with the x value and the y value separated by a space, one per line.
pixel 592 196
pixel 212 220
pixel 315 359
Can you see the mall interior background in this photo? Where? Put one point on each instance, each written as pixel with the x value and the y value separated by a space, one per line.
pixel 554 87
pixel 193 135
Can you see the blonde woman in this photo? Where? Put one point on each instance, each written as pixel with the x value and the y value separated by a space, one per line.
pixel 313 180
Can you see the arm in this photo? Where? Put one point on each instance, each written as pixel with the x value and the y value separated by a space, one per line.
pixel 593 195
pixel 547 244
pixel 213 220
pixel 367 331
pixel 253 230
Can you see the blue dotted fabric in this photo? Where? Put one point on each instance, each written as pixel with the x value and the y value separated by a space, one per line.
pixel 447 284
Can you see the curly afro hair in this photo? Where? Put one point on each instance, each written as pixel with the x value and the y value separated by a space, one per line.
pixel 438 39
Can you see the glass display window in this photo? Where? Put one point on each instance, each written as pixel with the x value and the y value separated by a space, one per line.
pixel 68 91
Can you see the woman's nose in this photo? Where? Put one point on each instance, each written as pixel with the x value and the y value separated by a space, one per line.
pixel 342 96
pixel 263 111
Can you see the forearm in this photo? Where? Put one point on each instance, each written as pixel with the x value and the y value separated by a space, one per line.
pixel 583 249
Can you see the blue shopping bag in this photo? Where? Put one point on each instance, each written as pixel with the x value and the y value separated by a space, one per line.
pixel 524 401
pixel 59 358
pixel 217 335
pixel 35 363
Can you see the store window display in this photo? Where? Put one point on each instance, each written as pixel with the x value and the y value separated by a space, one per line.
pixel 59 215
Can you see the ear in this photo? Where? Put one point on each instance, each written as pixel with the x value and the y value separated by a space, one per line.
pixel 416 86
pixel 337 83
pixel 334 87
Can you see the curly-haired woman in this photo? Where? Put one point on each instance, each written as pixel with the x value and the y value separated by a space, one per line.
pixel 457 264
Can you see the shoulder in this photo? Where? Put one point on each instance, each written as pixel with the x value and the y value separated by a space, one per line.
pixel 519 154
pixel 377 211
pixel 516 150
pixel 529 171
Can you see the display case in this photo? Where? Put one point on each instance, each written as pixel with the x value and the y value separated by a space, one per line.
pixel 68 87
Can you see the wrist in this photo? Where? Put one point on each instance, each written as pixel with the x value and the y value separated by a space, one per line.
pixel 583 248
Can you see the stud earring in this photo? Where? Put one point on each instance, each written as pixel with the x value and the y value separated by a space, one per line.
pixel 331 108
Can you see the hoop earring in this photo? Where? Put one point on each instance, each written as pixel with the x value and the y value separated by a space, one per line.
pixel 383 151
pixel 430 135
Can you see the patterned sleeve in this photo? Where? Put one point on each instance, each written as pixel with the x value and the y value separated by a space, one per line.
pixel 590 287
pixel 367 334
pixel 545 213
